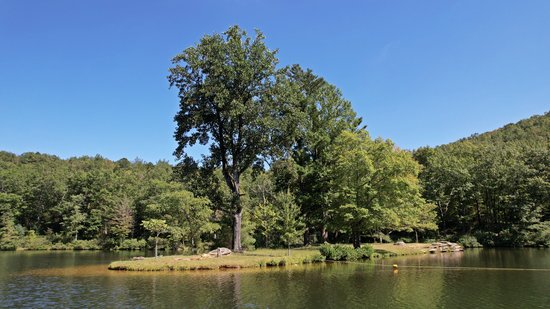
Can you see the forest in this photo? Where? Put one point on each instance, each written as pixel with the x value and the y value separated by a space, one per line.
pixel 289 164
pixel 493 188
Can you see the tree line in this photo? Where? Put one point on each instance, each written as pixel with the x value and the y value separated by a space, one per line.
pixel 494 188
pixel 289 163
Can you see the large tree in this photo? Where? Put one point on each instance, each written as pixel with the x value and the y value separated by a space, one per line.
pixel 325 113
pixel 229 100
pixel 188 217
pixel 376 187
pixel 290 223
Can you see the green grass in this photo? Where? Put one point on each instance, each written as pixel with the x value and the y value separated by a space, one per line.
pixel 407 249
pixel 250 259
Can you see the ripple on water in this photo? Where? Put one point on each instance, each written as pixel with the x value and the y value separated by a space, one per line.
pixel 420 282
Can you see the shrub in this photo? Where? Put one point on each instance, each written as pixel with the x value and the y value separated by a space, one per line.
pixel 86 245
pixel 8 246
pixel 365 251
pixel 375 255
pixel 486 238
pixel 32 241
pixel 344 253
pixel 469 241
pixel 349 253
pixel 132 244
pixel 540 234
pixel 535 235
pixel 61 246
pixel 318 258
pixel 328 251
pixel 272 263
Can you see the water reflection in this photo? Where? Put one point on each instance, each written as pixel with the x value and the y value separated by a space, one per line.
pixel 80 279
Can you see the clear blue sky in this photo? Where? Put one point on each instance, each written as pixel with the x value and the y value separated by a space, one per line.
pixel 89 77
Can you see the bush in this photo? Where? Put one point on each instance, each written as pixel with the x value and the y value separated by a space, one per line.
pixel 8 246
pixel 272 263
pixel 469 241
pixel 86 245
pixel 132 244
pixel 327 251
pixel 365 251
pixel 318 258
pixel 32 241
pixel 536 235
pixel 486 238
pixel 61 246
pixel 345 253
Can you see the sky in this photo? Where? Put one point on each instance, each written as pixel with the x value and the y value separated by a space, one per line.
pixel 89 77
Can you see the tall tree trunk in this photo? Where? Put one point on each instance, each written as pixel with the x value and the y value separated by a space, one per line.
pixel 478 213
pixel 356 239
pixel 237 223
pixel 289 249
pixel 233 182
pixel 416 234
pixel 324 234
pixel 306 237
pixel 156 245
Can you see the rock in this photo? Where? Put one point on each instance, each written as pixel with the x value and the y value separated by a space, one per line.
pixel 220 252
pixel 400 243
pixel 138 258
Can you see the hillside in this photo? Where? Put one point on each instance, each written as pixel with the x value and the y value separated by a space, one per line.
pixel 493 187
pixel 533 131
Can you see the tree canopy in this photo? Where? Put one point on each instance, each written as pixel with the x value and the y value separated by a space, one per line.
pixel 229 100
pixel 494 186
pixel 289 162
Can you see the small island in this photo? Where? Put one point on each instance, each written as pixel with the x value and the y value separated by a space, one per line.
pixel 275 154
pixel 287 163
pixel 262 258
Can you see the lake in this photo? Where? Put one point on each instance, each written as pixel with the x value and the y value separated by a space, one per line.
pixel 476 278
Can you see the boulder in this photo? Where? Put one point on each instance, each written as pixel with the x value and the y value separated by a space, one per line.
pixel 220 252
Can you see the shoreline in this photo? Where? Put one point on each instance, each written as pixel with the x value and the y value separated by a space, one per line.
pixel 260 258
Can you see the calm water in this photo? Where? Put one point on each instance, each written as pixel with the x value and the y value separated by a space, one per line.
pixel 473 279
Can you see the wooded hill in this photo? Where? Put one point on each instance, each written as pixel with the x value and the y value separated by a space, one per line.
pixel 493 186
pixel 289 162
pixel 528 133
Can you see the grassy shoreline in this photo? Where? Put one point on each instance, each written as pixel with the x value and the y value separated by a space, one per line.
pixel 253 259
